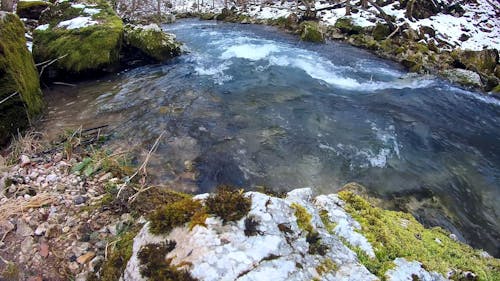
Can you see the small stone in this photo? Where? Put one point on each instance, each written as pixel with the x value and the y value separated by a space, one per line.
pixel 23 229
pixel 453 236
pixel 25 160
pixel 83 259
pixel 44 250
pixel 41 229
pixel 79 200
pixel 438 241
pixel 73 266
pixel 27 245
pixel 51 178
pixel 65 229
pixel 105 177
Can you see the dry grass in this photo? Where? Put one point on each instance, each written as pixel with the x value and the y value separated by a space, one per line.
pixel 19 205
pixel 28 144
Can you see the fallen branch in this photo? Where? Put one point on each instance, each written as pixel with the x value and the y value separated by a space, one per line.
pixel 394 32
pixel 47 63
pixel 142 168
pixel 5 99
pixel 64 84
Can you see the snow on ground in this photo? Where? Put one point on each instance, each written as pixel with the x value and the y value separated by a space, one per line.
pixel 91 11
pixel 479 22
pixel 42 27
pixel 78 22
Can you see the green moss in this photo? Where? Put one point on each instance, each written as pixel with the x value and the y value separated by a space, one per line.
pixel 326 266
pixel 396 234
pixel 310 31
pixel 329 225
pixel 496 89
pixel 228 203
pixel 347 26
pixel 89 48
pixel 156 268
pixel 167 217
pixel 207 16
pixel 381 31
pixel 303 217
pixel 17 74
pixel 31 9
pixel 113 267
pixel 153 42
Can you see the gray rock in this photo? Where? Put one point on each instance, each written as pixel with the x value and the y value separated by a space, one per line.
pixel 463 77
pixel 79 200
pixel 23 229
pixel 51 178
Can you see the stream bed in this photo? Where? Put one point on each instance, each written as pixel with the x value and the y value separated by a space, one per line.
pixel 250 106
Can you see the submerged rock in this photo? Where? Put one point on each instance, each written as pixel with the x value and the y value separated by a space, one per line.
pixel 17 75
pixel 463 77
pixel 81 38
pixel 31 9
pixel 152 41
pixel 310 31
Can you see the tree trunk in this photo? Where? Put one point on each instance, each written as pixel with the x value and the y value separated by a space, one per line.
pixel 159 11
pixel 364 4
pixel 348 8
pixel 7 5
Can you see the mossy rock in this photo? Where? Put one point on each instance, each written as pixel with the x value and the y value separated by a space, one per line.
pixel 31 9
pixel 484 61
pixel 311 32
pixel 207 16
pixel 381 31
pixel 463 77
pixel 17 74
pixel 345 25
pixel 80 49
pixel 152 41
pixel 397 234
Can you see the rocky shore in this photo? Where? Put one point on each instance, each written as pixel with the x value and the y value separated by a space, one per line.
pixel 82 215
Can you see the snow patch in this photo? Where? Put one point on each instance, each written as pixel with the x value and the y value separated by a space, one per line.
pixel 42 27
pixel 76 23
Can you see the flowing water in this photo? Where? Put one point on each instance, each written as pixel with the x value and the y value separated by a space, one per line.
pixel 250 106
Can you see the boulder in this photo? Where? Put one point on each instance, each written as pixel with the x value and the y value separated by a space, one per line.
pixel 310 31
pixel 152 41
pixel 463 77
pixel 83 39
pixel 17 75
pixel 484 61
pixel 31 9
pixel 207 16
pixel 381 31
pixel 345 25
pixel 421 9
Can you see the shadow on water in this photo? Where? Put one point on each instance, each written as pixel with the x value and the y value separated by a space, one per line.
pixel 249 106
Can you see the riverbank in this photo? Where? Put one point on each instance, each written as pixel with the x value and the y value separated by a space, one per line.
pixel 458 43
pixel 76 211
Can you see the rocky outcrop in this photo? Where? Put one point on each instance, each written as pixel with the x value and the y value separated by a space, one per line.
pixel 20 93
pixel 463 77
pixel 82 39
pixel 31 9
pixel 299 237
pixel 152 41
pixel 483 61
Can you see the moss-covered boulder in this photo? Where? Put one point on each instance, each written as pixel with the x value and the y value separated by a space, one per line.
pixel 83 38
pixel 152 41
pixel 207 16
pixel 381 31
pixel 345 25
pixel 31 9
pixel 17 75
pixel 483 61
pixel 310 31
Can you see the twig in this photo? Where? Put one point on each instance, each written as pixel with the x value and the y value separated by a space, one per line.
pixel 5 99
pixel 49 63
pixel 64 84
pixel 144 164
pixel 394 32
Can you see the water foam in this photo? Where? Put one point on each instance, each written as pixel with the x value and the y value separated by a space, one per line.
pixel 251 52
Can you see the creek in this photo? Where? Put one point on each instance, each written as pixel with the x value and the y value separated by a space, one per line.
pixel 250 106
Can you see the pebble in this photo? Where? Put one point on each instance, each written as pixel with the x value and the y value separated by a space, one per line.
pixel 83 259
pixel 44 250
pixel 79 200
pixel 51 178
pixel 23 229
pixel 25 160
pixel 27 245
pixel 41 229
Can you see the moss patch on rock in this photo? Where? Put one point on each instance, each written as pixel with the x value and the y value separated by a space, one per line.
pixel 31 9
pixel 156 268
pixel 381 31
pixel 152 41
pixel 311 32
pixel 345 25
pixel 17 74
pixel 483 61
pixel 90 48
pixel 169 216
pixel 396 234
pixel 228 203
